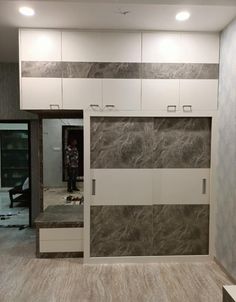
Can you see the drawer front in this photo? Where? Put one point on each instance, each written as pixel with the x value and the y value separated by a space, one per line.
pixel 61 234
pixel 57 246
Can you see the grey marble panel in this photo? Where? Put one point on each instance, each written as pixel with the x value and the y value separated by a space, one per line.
pixel 179 71
pixel 101 70
pixel 180 229
pixel 182 143
pixel 150 142
pixel 41 69
pixel 121 231
pixel 118 142
pixel 60 216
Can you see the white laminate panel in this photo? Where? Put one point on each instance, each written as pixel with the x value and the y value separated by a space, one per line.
pixel 124 94
pixel 61 233
pixel 41 93
pixel 160 95
pixel 81 93
pixel 56 246
pixel 200 94
pixel 161 47
pixel 101 46
pixel 200 47
pixel 40 45
pixel 231 289
pixel 180 186
pixel 122 186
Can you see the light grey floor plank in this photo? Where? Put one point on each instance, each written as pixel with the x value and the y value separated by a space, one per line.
pixel 23 278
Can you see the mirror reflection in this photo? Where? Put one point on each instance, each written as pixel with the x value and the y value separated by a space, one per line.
pixel 62 162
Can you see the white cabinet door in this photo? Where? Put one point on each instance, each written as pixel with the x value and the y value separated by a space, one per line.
pixel 41 93
pixel 169 47
pixel 160 95
pixel 121 186
pixel 79 46
pixel 161 47
pixel 122 94
pixel 181 186
pixel 198 95
pixel 81 93
pixel 200 47
pixel 40 45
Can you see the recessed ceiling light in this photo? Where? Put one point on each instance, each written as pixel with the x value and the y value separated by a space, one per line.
pixel 26 11
pixel 183 16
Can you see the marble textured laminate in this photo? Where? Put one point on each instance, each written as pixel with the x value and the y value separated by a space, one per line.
pixel 40 69
pixel 118 142
pixel 101 70
pixel 179 71
pixel 225 242
pixel 182 143
pixel 121 231
pixel 119 70
pixel 121 142
pixel 60 216
pixel 26 279
pixel 180 230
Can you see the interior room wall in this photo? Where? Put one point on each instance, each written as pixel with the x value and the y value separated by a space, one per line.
pixel 52 150
pixel 226 169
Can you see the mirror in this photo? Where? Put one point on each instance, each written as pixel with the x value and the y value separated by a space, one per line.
pixel 62 162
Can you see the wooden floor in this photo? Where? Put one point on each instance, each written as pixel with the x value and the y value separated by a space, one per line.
pixel 23 278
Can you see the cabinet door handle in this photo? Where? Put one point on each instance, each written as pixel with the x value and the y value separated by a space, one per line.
pixel 109 106
pixel 171 108
pixel 187 108
pixel 93 186
pixel 54 106
pixel 204 186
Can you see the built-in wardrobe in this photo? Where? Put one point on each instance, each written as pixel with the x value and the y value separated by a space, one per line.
pixel 150 109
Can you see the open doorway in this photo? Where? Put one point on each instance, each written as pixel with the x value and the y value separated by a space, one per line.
pixel 58 135
pixel 15 195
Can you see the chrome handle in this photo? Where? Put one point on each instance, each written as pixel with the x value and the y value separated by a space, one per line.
pixel 109 106
pixel 171 108
pixel 187 108
pixel 54 106
pixel 93 186
pixel 204 186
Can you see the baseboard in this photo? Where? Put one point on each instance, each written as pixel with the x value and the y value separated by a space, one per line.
pixel 61 255
pixel 232 279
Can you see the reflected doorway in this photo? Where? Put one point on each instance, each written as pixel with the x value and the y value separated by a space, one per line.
pixel 57 135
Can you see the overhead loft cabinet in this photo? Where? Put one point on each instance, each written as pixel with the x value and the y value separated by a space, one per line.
pixel 118 71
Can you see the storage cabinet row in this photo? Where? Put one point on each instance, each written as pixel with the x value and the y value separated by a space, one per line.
pixel 165 94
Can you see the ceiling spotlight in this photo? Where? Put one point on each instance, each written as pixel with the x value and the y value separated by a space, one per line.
pixel 182 16
pixel 26 11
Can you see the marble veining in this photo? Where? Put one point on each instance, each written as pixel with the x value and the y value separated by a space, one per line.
pixel 119 70
pixel 118 142
pixel 61 216
pixel 121 231
pixel 39 69
pixel 101 70
pixel 180 230
pixel 179 71
pixel 149 230
pixel 121 142
pixel 181 143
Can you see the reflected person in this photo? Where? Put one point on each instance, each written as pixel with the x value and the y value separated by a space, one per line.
pixel 72 164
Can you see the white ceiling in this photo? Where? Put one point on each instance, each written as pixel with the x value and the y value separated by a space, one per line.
pixel 207 15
